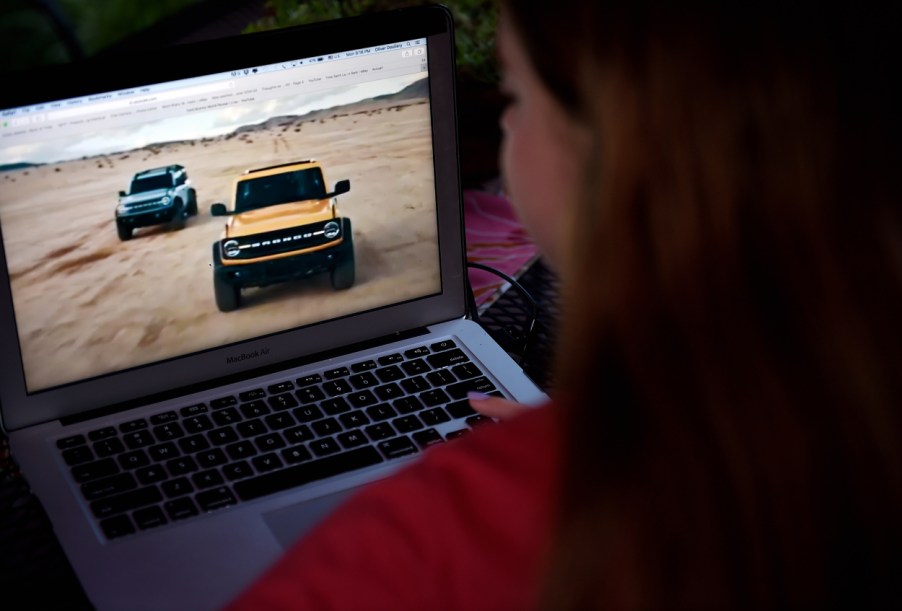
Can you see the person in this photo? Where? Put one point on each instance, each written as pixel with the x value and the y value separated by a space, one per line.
pixel 717 188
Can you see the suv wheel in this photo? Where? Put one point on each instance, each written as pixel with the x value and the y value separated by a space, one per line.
pixel 342 275
pixel 192 202
pixel 228 296
pixel 125 233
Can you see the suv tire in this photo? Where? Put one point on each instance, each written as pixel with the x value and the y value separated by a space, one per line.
pixel 228 296
pixel 125 233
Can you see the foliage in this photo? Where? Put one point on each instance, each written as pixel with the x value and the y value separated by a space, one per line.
pixel 475 22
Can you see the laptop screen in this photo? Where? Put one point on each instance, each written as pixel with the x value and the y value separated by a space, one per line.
pixel 147 223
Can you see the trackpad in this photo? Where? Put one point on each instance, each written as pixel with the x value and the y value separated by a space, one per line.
pixel 290 523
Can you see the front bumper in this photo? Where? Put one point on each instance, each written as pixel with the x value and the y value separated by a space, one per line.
pixel 147 218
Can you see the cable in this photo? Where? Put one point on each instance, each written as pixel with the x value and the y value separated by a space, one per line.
pixel 530 332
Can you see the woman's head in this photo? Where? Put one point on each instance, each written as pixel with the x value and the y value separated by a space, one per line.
pixel 729 236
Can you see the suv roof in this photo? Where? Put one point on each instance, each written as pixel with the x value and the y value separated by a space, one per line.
pixel 281 165
pixel 157 171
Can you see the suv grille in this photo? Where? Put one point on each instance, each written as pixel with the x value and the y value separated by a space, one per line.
pixel 282 241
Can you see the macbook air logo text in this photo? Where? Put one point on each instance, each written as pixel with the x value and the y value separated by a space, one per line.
pixel 244 356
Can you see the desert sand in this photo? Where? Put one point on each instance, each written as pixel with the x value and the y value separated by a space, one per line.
pixel 87 304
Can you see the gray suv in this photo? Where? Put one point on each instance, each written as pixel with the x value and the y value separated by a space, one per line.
pixel 156 196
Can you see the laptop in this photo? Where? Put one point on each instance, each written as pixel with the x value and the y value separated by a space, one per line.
pixel 233 291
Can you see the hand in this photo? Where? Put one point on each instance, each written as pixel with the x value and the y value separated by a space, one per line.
pixel 495 407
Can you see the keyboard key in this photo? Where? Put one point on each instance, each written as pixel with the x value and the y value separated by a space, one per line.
pixel 415 385
pixel 364 380
pixel 279 421
pixel 380 431
pixel 237 470
pixel 126 501
pixel 177 487
pixel 133 425
pixel 306 472
pixel 108 486
pixel 354 419
pixel 392 373
pixel 194 443
pixel 223 402
pixel 431 398
pixel 149 517
pixel 383 411
pixel 242 449
pixel 211 500
pixel 416 367
pixel 297 454
pixel 311 394
pixel 151 474
pixel 362 398
pixel 193 410
pixel 390 359
pixel 139 439
pixel 281 387
pixel 352 439
pixel 93 470
pixel 443 345
pixel 407 405
pixel 134 459
pixel 339 372
pixel 307 414
pixel 389 392
pixel 180 509
pixel 326 427
pixel 429 437
pixel 212 458
pixel 397 447
pixel 435 416
pixel 182 465
pixel 479 420
pixel 77 455
pixel 206 479
pixel 108 447
pixel 250 395
pixel 441 377
pixel 336 405
pixel 309 380
pixel 363 366
pixel 268 443
pixel 282 401
pixel 465 371
pixel 104 433
pixel 337 387
pixel 322 447
pixel 446 359
pixel 417 352
pixel 222 436
pixel 197 424
pixel 461 409
pixel 480 384
pixel 168 432
pixel 251 428
pixel 116 527
pixel 226 416
pixel 163 418
pixel 407 424
pixel 255 409
pixel 70 442
pixel 164 451
pixel 266 462
pixel 456 434
pixel 298 434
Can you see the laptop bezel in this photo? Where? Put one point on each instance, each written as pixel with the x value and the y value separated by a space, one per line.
pixel 19 408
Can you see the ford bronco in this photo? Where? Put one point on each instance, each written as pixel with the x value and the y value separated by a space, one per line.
pixel 160 195
pixel 282 226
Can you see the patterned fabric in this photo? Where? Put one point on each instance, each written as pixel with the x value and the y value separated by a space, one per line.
pixel 495 238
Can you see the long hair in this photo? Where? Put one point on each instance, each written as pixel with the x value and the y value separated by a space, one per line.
pixel 729 364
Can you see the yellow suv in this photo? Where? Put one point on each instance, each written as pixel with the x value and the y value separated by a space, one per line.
pixel 283 225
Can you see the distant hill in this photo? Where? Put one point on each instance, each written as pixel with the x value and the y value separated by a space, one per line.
pixel 22 165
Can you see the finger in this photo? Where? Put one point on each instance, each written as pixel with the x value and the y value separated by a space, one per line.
pixel 494 407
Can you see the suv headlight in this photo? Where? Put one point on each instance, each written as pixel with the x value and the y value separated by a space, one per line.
pixel 230 248
pixel 331 230
pixel 166 199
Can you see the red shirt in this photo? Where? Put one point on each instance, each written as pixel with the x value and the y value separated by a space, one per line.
pixel 466 527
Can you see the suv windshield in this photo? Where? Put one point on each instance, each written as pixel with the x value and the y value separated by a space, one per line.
pixel 151 183
pixel 279 189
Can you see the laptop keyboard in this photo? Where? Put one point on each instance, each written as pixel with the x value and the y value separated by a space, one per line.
pixel 199 458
